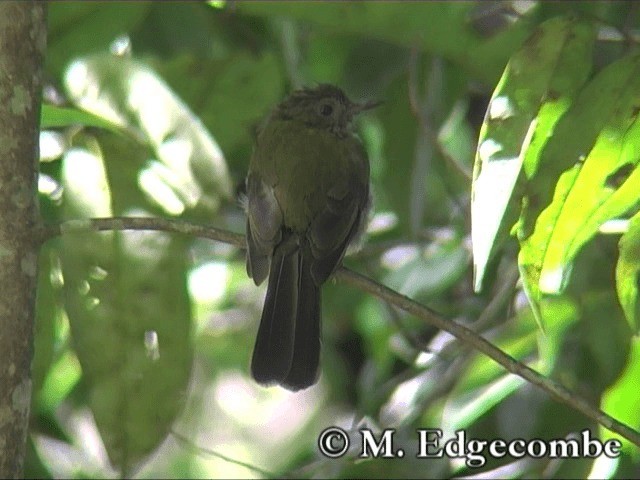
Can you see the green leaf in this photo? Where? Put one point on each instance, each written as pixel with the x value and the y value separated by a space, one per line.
pixel 622 401
pixel 126 92
pixel 600 179
pixel 628 273
pixel 230 112
pixel 61 379
pixel 536 88
pixel 52 117
pixel 47 311
pixel 129 311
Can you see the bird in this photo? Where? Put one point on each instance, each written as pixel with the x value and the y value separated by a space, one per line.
pixel 307 200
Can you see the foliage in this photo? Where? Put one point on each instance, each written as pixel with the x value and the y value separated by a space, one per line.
pixel 150 111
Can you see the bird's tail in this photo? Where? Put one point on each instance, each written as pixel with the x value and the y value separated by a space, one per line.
pixel 287 349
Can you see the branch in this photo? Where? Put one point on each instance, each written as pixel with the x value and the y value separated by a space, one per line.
pixel 474 340
pixel 464 334
pixel 46 232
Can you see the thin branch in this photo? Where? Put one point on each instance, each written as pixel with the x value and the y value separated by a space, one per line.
pixel 46 232
pixel 466 335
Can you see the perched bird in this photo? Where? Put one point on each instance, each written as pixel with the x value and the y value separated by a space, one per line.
pixel 307 200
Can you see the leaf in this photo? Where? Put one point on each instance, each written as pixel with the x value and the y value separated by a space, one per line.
pixel 229 95
pixel 129 311
pixel 536 88
pixel 47 310
pixel 628 273
pixel 622 401
pixel 52 116
pixel 599 182
pixel 61 379
pixel 126 92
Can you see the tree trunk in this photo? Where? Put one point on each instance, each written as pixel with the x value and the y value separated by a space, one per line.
pixel 22 48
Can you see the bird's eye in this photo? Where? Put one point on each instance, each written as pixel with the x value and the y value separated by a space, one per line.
pixel 326 110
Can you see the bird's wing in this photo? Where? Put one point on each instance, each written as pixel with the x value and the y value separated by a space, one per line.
pixel 264 227
pixel 331 231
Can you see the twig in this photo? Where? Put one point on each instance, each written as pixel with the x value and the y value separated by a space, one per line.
pixel 365 284
pixel 46 232
pixel 468 336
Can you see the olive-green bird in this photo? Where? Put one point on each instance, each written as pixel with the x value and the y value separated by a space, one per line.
pixel 307 200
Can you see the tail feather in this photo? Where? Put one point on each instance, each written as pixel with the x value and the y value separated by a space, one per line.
pixel 287 349
pixel 274 347
pixel 306 352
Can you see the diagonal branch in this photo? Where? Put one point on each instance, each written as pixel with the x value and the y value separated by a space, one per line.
pixel 464 334
pixel 471 338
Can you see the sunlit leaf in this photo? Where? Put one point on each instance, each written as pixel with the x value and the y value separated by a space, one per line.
pixel 600 179
pixel 536 88
pixel 127 92
pixel 130 169
pixel 229 95
pixel 52 116
pixel 61 379
pixel 129 311
pixel 622 401
pixel 628 273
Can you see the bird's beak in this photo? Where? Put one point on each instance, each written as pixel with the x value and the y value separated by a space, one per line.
pixel 368 105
